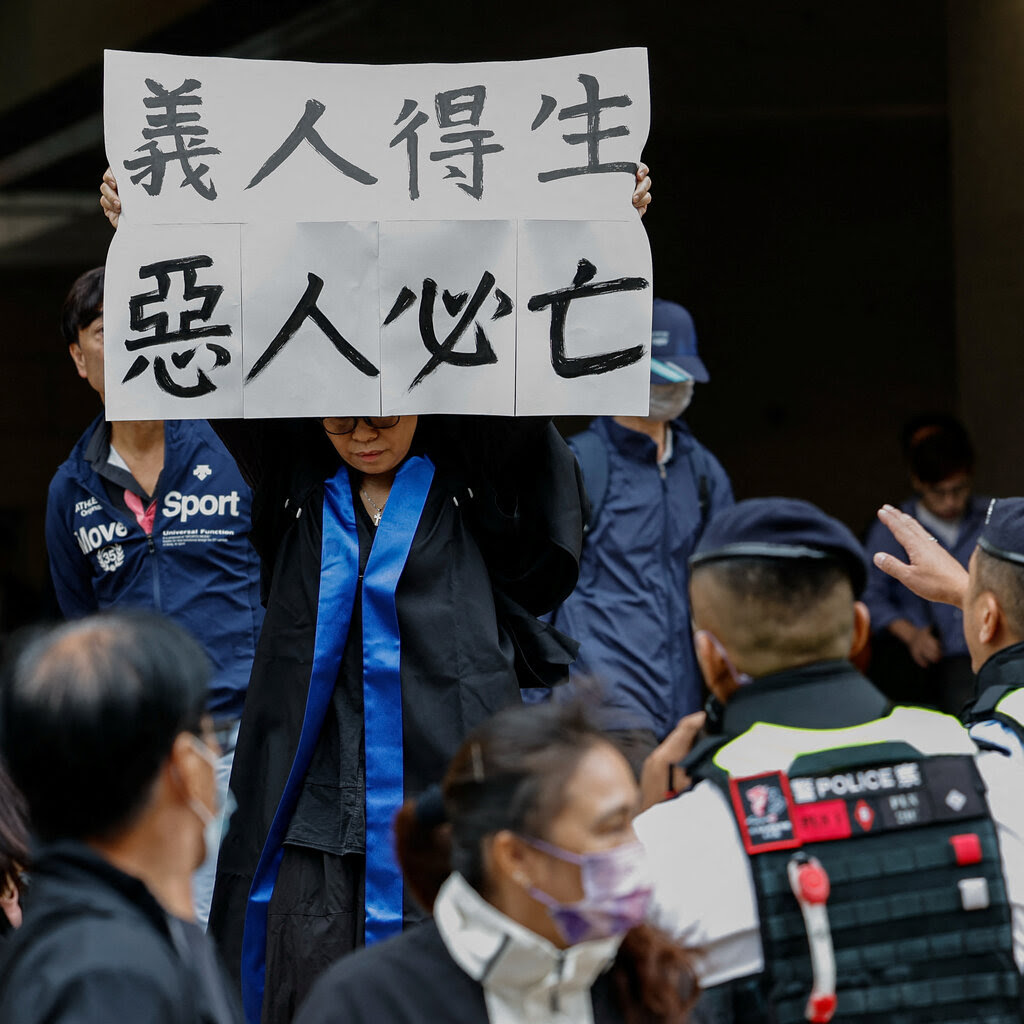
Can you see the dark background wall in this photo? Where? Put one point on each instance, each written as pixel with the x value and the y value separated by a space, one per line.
pixel 804 208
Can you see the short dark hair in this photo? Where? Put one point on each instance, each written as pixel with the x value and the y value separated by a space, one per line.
pixel 936 446
pixel 783 611
pixel 88 713
pixel 795 585
pixel 83 304
pixel 1005 580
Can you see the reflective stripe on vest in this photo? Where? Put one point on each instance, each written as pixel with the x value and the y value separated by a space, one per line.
pixel 1012 705
pixel 765 747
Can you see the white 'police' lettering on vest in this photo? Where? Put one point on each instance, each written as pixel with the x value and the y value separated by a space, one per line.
pixel 860 782
pixel 777 812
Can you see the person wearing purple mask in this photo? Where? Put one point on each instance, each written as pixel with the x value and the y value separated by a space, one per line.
pixel 539 891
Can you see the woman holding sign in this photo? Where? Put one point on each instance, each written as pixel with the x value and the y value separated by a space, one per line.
pixel 405 560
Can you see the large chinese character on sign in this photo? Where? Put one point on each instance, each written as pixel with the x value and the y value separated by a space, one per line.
pixel 176 329
pixel 314 340
pixel 591 110
pixel 584 287
pixel 460 306
pixel 173 323
pixel 446 302
pixel 174 136
pixel 305 131
pixel 458 113
pixel 576 279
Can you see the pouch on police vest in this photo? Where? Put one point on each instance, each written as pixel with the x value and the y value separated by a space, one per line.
pixel 917 915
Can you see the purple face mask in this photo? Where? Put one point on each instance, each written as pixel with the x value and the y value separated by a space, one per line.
pixel 616 892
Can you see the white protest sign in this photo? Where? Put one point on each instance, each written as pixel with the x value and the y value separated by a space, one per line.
pixel 309 165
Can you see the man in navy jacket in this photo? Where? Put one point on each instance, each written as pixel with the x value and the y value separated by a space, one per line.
pixel 154 514
pixel 918 650
pixel 653 487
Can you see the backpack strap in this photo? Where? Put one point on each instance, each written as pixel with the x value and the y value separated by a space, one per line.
pixel 700 469
pixel 592 455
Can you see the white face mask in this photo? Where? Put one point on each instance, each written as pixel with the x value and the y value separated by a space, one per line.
pixel 669 401
pixel 215 823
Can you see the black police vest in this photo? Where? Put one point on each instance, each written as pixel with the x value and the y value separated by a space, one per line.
pixel 916 925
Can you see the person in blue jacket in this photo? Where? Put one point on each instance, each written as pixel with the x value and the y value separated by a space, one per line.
pixel 155 514
pixel 918 650
pixel 653 486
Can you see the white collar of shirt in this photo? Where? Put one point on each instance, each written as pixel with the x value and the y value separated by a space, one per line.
pixel 944 529
pixel 666 455
pixel 115 459
pixel 524 976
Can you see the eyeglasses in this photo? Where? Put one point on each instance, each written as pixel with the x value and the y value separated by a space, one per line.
pixel 346 424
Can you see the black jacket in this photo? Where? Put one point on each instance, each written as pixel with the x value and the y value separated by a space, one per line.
pixel 95 946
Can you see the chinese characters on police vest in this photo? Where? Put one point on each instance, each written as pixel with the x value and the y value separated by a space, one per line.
pixel 312 239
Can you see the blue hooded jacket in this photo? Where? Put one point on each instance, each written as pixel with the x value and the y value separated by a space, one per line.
pixel 197 567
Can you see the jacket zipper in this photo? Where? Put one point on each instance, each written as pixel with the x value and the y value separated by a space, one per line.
pixel 665 557
pixel 151 544
pixel 559 967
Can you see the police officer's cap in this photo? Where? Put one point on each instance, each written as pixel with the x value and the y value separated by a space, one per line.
pixel 1002 536
pixel 781 528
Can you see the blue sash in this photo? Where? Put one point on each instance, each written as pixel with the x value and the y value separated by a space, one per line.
pixel 382 700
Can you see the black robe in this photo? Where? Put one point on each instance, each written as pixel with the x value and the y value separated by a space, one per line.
pixel 497 544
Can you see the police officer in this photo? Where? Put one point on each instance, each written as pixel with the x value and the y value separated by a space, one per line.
pixel 991 595
pixel 834 856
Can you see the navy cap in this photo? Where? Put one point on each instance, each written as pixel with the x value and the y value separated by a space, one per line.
pixel 1002 536
pixel 674 345
pixel 781 528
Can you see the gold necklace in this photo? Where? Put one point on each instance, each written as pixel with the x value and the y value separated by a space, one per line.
pixel 378 510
